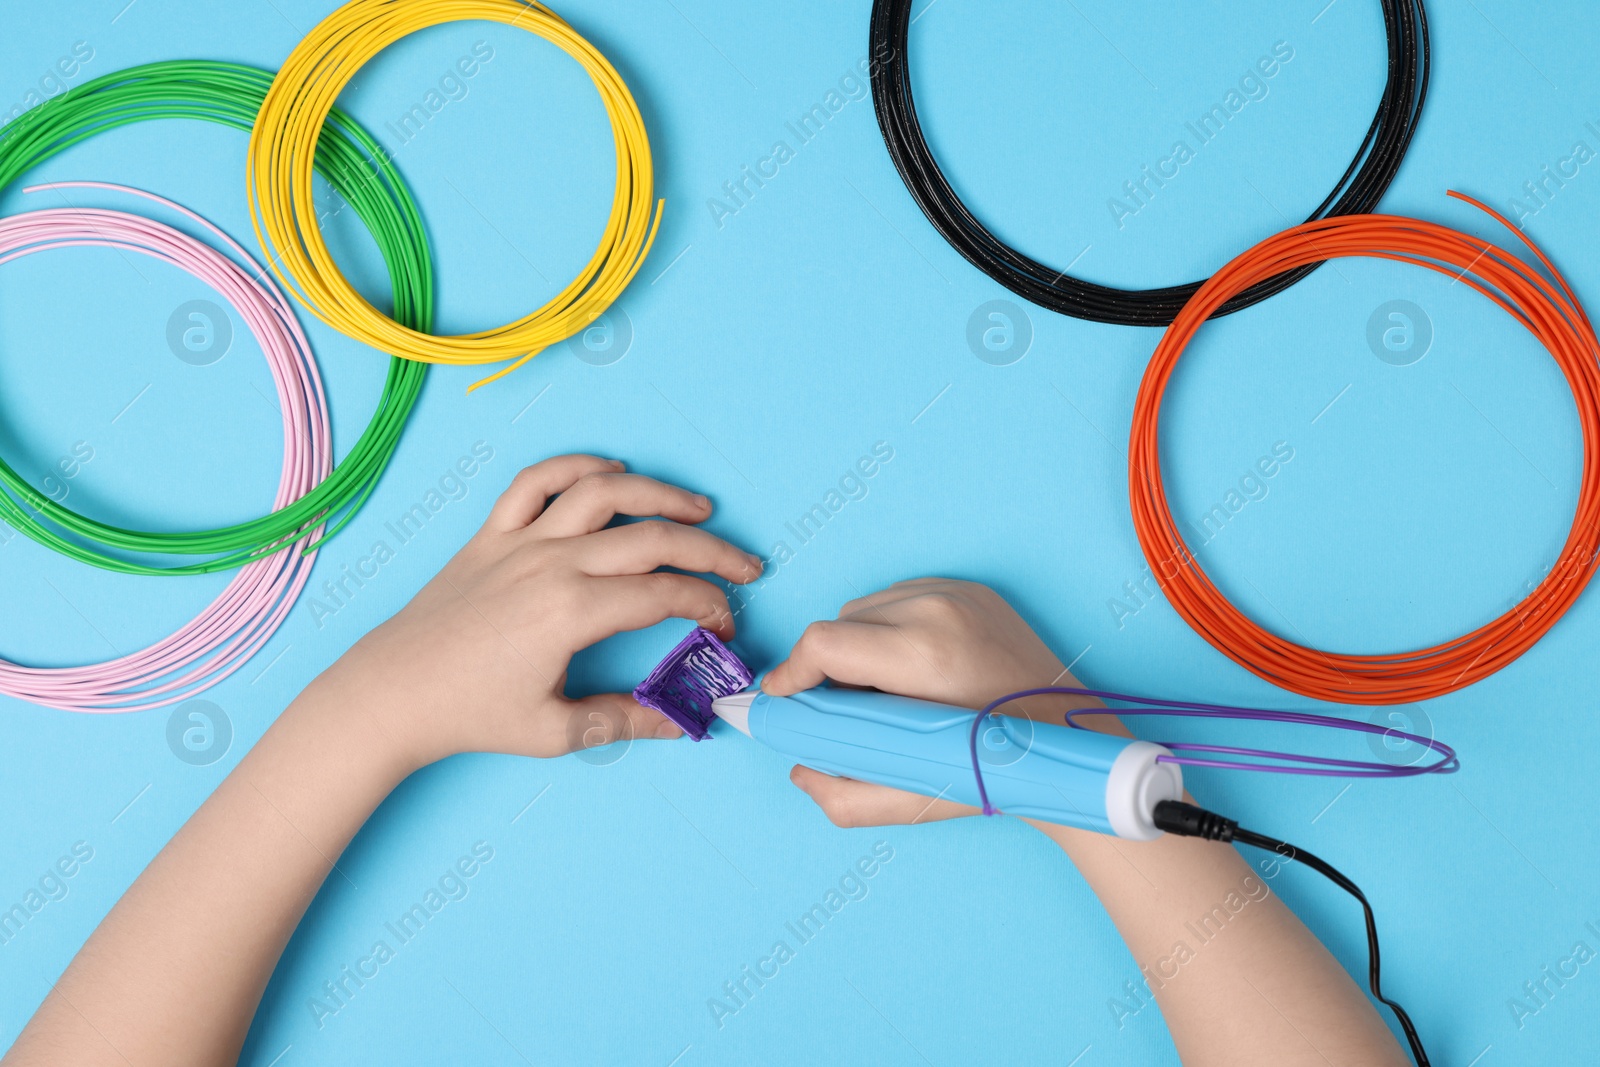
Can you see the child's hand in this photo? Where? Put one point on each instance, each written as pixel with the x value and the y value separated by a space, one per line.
pixel 478 660
pixel 931 638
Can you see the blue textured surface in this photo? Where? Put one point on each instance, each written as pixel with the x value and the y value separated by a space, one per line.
pixel 770 347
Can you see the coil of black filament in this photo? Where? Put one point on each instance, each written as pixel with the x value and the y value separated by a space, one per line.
pixel 1358 191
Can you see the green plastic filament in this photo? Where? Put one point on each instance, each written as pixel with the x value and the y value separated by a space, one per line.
pixel 358 168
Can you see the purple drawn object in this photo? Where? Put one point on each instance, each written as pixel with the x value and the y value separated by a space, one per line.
pixel 683 685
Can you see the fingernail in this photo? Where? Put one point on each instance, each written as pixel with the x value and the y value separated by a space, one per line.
pixel 702 502
pixel 667 731
pixel 617 463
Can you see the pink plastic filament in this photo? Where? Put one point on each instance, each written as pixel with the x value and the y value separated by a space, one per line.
pixel 249 611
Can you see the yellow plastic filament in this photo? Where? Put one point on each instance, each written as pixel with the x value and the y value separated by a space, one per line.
pixel 283 147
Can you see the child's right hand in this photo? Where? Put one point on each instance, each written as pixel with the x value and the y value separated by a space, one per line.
pixel 931 638
pixel 477 662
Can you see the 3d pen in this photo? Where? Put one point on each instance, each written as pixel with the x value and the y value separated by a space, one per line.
pixel 1035 770
pixel 1060 774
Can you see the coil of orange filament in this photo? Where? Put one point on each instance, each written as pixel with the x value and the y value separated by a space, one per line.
pixel 1549 311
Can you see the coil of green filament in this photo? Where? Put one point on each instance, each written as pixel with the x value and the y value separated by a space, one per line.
pixel 358 168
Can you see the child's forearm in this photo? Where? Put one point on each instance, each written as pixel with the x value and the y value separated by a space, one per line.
pixel 1239 979
pixel 477 662
pixel 174 973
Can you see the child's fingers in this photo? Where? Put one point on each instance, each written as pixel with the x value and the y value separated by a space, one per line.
pixel 647 722
pixel 869 605
pixel 637 601
pixel 598 498
pixel 872 603
pixel 848 803
pixel 606 718
pixel 641 547
pixel 524 500
pixel 856 653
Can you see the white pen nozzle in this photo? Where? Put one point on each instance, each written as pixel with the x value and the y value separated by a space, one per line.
pixel 735 710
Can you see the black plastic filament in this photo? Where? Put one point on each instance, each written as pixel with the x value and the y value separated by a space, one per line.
pixel 1358 191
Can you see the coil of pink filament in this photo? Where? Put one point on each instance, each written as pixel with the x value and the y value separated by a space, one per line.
pixel 255 603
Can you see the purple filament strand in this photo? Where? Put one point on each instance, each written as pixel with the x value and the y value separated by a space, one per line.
pixel 1311 765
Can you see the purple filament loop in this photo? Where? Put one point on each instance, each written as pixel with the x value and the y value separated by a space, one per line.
pixel 1252 759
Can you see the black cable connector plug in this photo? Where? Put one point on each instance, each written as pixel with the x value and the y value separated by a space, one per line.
pixel 1188 820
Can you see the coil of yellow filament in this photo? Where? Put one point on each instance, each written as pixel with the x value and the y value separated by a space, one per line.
pixel 283 146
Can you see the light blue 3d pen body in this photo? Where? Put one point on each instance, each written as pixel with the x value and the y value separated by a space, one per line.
pixel 1035 770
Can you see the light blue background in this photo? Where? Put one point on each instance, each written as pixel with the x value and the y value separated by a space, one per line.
pixel 768 354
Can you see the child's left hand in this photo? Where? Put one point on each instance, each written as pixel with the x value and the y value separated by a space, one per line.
pixel 478 660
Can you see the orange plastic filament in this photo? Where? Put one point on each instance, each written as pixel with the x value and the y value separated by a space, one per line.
pixel 1549 310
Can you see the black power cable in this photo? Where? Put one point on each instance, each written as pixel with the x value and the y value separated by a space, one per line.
pixel 1358 192
pixel 1187 820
